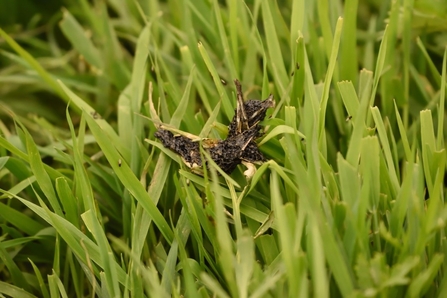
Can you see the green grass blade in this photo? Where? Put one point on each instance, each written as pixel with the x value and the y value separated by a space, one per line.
pixel 15 273
pixel 43 287
pixel 42 177
pixel 379 65
pixel 20 220
pixel 224 239
pixel 77 36
pixel 226 103
pixel 224 41
pixel 109 265
pixel 14 291
pixel 273 48
pixel 348 50
pixel 440 136
pixel 349 96
pixel 386 147
pixel 128 179
pixel 328 78
pixel 403 135
pixel 105 126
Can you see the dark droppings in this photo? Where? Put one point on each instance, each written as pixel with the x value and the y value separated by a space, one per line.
pixel 181 145
pixel 227 154
pixel 255 111
pixel 240 143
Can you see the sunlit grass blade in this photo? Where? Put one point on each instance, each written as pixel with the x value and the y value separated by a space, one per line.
pixel 42 177
pixel 349 97
pixel 386 147
pixel 297 20
pixel 278 130
pixel 379 65
pixel 328 78
pixel 129 180
pixel 56 287
pixel 85 188
pixel 82 105
pixel 403 135
pixel 428 147
pixel 42 285
pixel 14 291
pixel 94 226
pixel 326 29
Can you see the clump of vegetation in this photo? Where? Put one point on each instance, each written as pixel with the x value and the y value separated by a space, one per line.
pixel 349 201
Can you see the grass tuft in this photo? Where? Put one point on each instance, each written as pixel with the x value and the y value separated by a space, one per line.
pixel 350 201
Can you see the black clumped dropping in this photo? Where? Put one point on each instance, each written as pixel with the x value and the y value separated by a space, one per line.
pixel 237 147
pixel 251 107
pixel 181 145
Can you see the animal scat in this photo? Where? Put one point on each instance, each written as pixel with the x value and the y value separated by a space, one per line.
pixel 240 143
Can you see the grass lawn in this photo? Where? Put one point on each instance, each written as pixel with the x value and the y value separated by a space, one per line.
pixel 350 201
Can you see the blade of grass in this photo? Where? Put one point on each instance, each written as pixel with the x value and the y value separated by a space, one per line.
pixel 21 221
pixel 245 263
pixel 74 32
pixel 223 37
pixel 350 99
pixel 428 145
pixel 328 78
pixel 419 285
pixel 189 280
pixel 403 135
pixel 379 65
pixel 386 149
pixel 273 48
pixel 285 236
pixel 224 239
pixel 14 291
pixel 440 137
pixel 43 287
pixel 129 180
pixel 15 273
pixel 35 65
pixel 42 177
pixel 226 103
pixel 297 21
pixel 348 50
pixel 105 126
pixel 83 183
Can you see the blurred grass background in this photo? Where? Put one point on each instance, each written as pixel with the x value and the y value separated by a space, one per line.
pixel 350 203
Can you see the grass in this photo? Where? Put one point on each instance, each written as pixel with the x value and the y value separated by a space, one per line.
pixel 351 202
